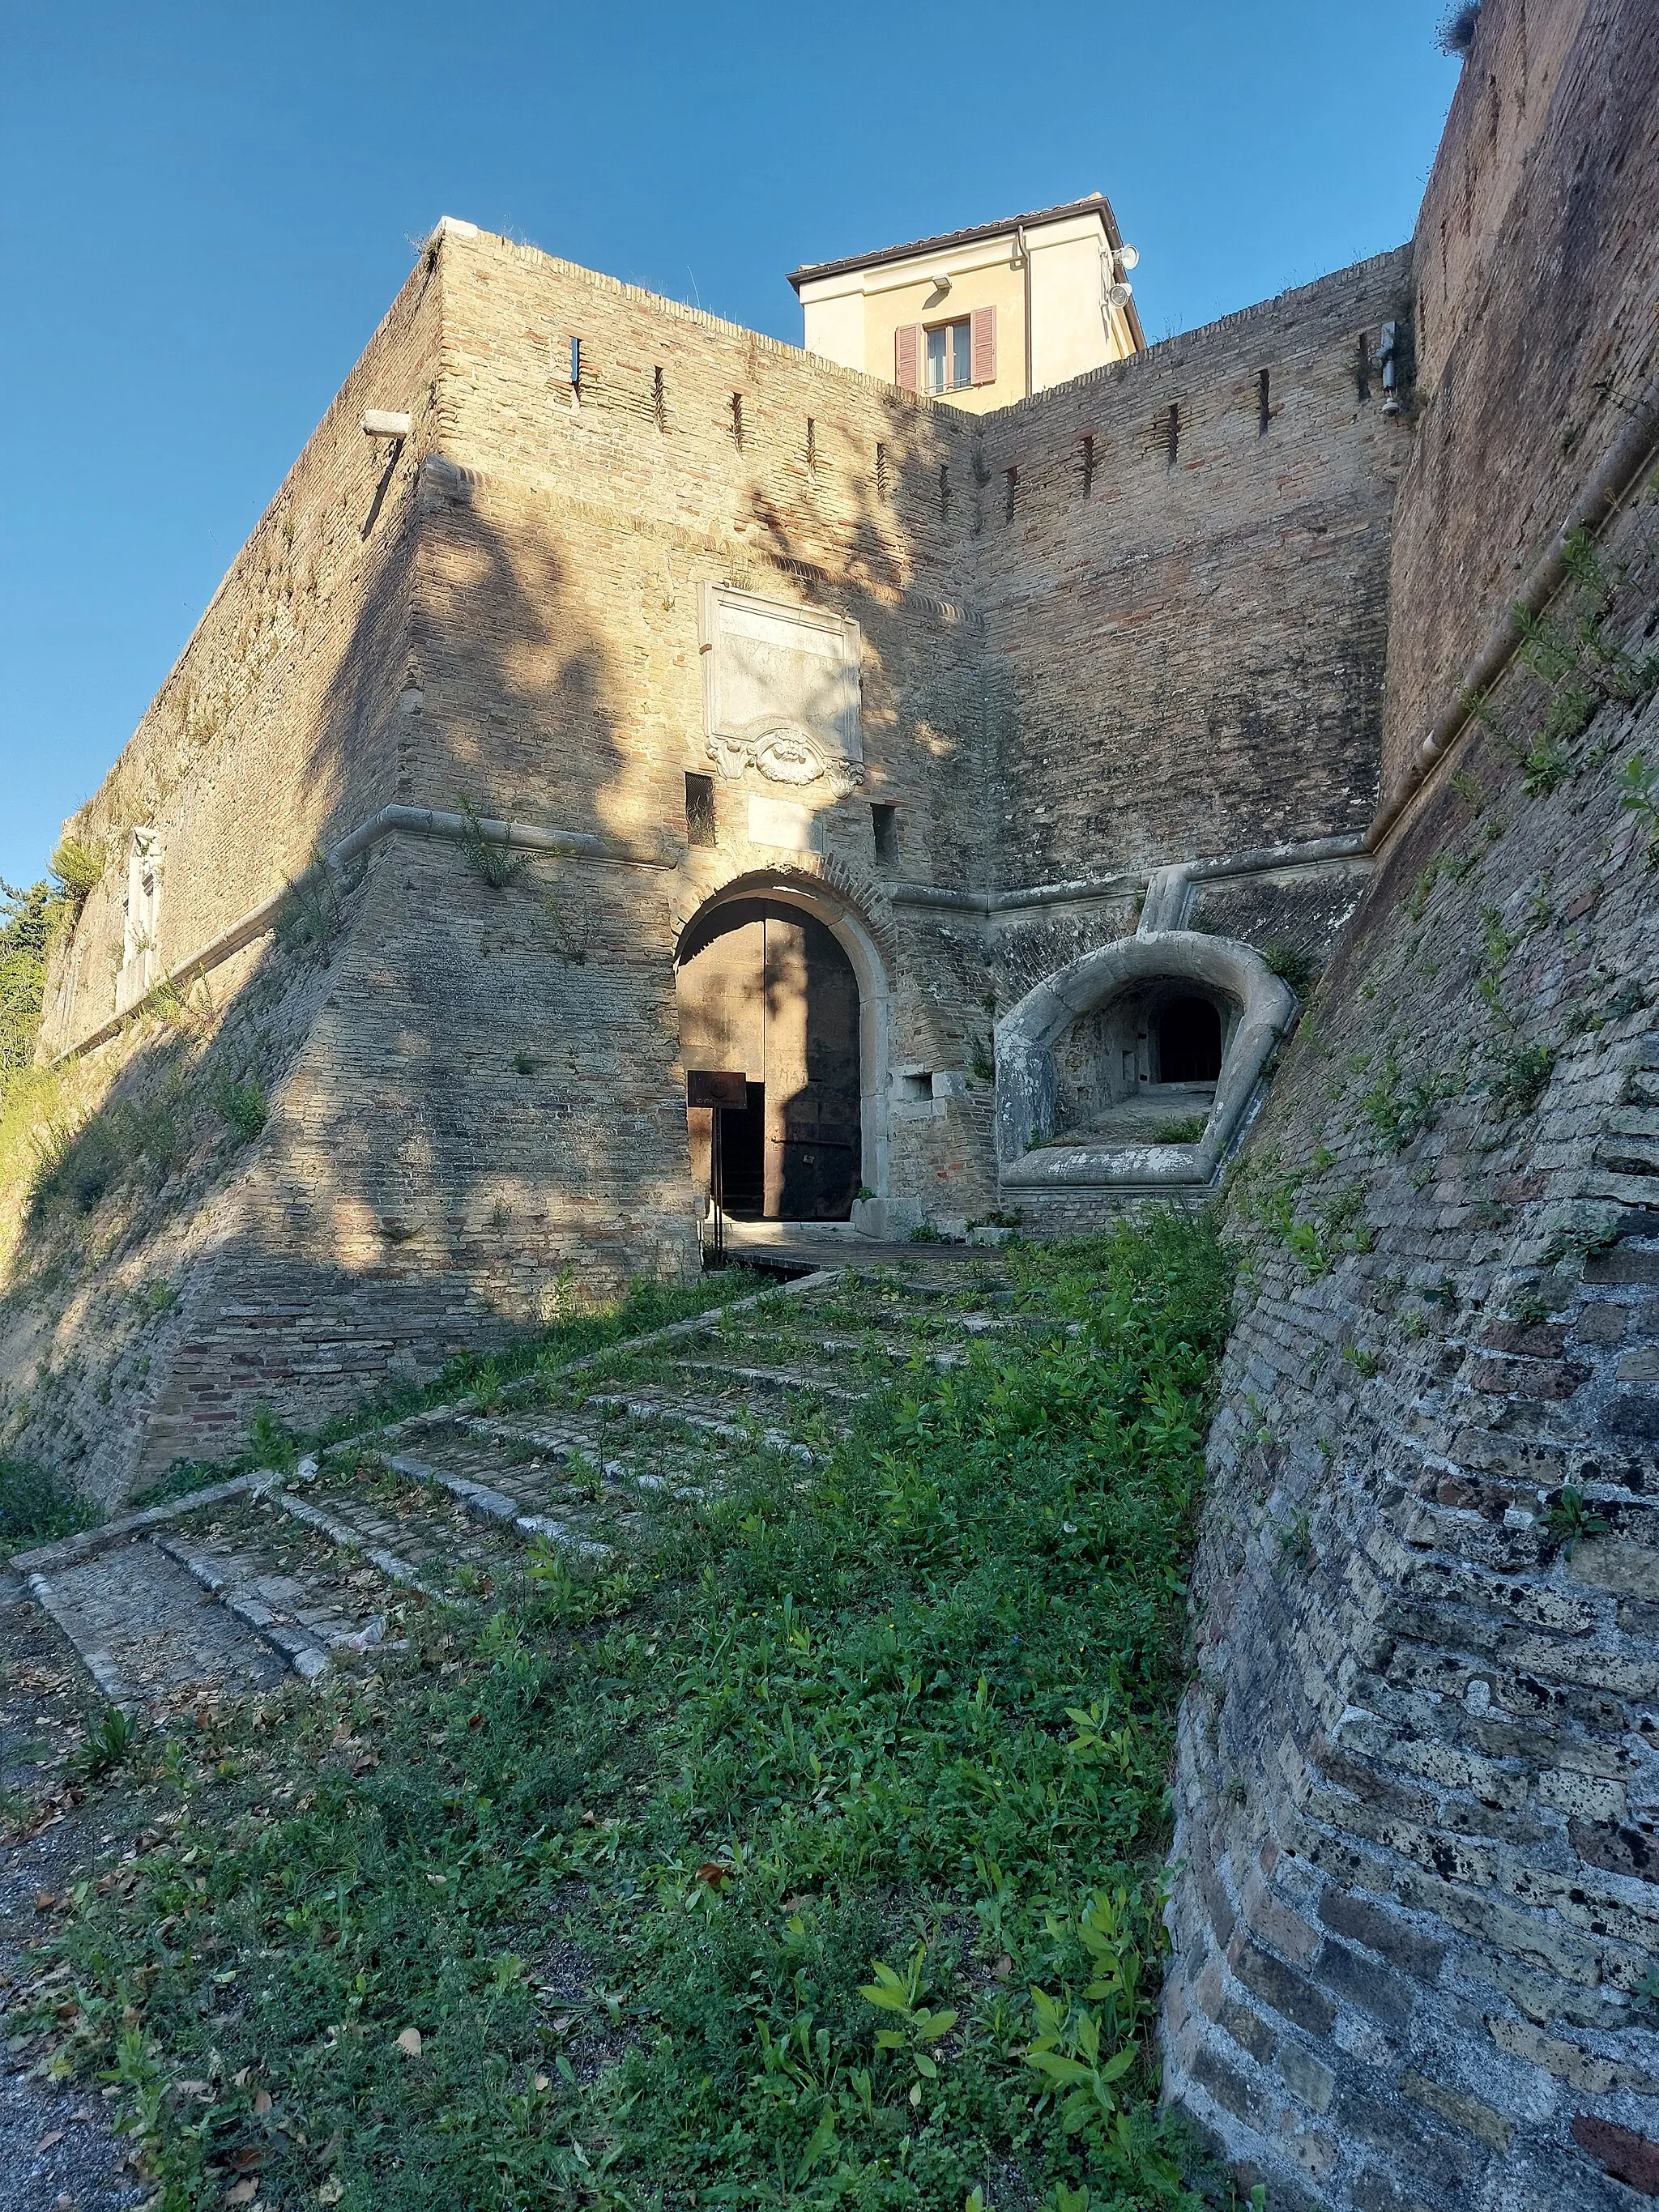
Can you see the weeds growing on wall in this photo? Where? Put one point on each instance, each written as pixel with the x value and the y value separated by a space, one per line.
pixel 35 1508
pixel 490 858
pixel 809 1858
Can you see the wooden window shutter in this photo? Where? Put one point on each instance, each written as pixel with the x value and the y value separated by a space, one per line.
pixel 907 357
pixel 985 345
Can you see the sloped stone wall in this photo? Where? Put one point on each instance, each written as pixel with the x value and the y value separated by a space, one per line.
pixel 1536 263
pixel 1419 1786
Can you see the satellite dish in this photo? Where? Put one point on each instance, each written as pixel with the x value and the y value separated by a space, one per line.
pixel 1119 295
pixel 1126 256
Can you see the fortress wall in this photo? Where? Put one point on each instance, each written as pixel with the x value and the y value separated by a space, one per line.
pixel 558 613
pixel 268 736
pixel 1537 267
pixel 1418 1788
pixel 1418 1775
pixel 1195 644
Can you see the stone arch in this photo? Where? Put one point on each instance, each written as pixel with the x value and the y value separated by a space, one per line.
pixel 1259 1010
pixel 861 939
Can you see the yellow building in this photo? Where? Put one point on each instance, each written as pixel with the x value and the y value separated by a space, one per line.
pixel 984 316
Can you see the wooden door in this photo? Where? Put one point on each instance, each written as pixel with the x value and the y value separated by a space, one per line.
pixel 812 1133
pixel 767 989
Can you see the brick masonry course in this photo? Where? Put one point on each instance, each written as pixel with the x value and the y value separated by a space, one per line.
pixel 1418 1788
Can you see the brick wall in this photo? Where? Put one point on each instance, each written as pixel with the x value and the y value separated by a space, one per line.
pixel 271 733
pixel 1537 260
pixel 1193 636
pixel 1418 1774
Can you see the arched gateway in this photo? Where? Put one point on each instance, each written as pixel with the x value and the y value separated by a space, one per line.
pixel 778 983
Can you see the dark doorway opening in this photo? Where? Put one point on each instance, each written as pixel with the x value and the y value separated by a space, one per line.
pixel 767 989
pixel 1189 1042
pixel 742 1155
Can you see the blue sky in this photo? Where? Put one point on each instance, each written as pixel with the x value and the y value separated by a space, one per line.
pixel 204 210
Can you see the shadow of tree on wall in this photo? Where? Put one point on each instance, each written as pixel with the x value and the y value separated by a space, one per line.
pixel 473 1087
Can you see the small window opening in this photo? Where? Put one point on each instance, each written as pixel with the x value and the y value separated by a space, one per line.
pixel 1264 401
pixel 945 494
pixel 882 486
pixel 812 448
pixel 1172 432
pixel 883 822
pixel 660 397
pixel 1086 445
pixel 1189 1042
pixel 700 809
pixel 950 355
pixel 1009 487
pixel 1362 368
pixel 575 365
pixel 737 419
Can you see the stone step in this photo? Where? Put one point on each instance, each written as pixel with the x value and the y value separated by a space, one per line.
pixel 649 1404
pixel 148 1633
pixel 232 1590
pixel 561 1438
pixel 490 1503
pixel 447 1547
pixel 770 1378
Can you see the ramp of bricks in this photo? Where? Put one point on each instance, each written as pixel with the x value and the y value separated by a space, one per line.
pixel 234 1589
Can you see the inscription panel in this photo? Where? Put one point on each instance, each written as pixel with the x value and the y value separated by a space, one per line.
pixel 780 688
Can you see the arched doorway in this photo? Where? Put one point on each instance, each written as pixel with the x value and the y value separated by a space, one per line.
pixel 1188 1033
pixel 766 988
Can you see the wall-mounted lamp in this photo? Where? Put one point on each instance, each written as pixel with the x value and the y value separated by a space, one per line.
pixel 1125 257
pixel 378 424
pixel 1119 294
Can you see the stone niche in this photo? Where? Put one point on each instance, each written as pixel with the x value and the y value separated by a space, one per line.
pixel 780 692
pixel 1137 1064
pixel 1146 1062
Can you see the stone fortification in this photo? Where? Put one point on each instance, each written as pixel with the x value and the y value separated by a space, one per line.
pixel 1537 265
pixel 1185 561
pixel 505 610
pixel 1416 1919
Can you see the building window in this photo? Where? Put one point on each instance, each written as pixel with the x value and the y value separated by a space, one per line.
pixel 699 809
pixel 883 822
pixel 950 355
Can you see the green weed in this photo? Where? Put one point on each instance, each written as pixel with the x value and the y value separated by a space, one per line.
pixel 241 1105
pixel 35 1508
pixel 1570 1517
pixel 1185 1129
pixel 492 858
pixel 603 1917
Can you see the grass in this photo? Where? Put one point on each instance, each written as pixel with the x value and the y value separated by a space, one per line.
pixel 36 1509
pixel 1185 1129
pixel 808 1856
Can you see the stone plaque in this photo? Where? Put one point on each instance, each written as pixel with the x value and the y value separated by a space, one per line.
pixel 780 689
pixel 781 823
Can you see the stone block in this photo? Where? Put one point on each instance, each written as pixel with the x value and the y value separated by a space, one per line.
pixel 1464 2111
pixel 1288 1992
pixel 1362 1921
pixel 1305 2076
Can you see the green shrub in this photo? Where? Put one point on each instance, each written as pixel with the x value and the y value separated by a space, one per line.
pixel 78 864
pixel 1292 965
pixel 242 1106
pixel 1185 1129
pixel 489 857
pixel 35 1508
